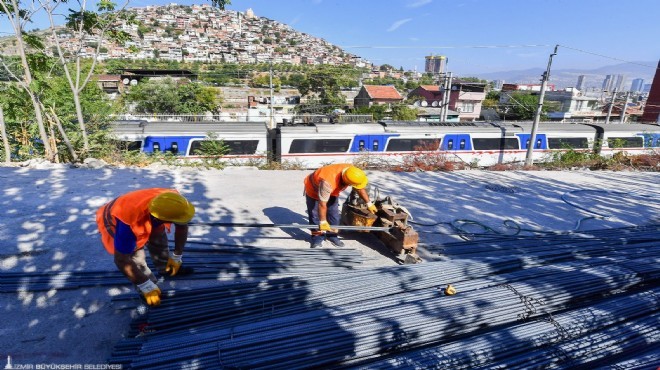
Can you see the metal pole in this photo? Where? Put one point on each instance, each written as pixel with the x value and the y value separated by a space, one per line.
pixel 609 110
pixel 272 116
pixel 444 111
pixel 623 109
pixel 290 226
pixel 537 117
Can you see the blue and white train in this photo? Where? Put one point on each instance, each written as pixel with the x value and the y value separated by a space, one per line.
pixel 312 145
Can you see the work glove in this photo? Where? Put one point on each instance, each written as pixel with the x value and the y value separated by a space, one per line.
pixel 174 263
pixel 151 292
pixel 324 226
pixel 372 208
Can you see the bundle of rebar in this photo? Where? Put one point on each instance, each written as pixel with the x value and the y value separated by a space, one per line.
pixel 378 313
pixel 211 262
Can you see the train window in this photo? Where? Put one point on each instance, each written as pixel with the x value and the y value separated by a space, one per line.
pixel 361 146
pixel 649 142
pixel 568 143
pixel 129 145
pixel 234 147
pixel 374 146
pixel 319 145
pixel 155 147
pixel 625 142
pixel 495 143
pixel 462 144
pixel 450 144
pixel 411 145
pixel 538 144
pixel 175 147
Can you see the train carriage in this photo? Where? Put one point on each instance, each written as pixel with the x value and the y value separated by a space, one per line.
pixel 630 138
pixel 244 140
pixel 387 142
pixel 555 137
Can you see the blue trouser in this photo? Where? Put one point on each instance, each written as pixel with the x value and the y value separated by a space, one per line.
pixel 313 213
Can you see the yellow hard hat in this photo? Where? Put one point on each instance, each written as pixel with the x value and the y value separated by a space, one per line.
pixel 172 207
pixel 354 177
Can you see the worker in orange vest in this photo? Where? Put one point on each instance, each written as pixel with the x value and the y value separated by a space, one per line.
pixel 142 218
pixel 322 188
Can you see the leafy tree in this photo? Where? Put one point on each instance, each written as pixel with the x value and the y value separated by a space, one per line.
pixel 323 86
pixel 169 97
pixel 403 112
pixel 492 99
pixel 523 106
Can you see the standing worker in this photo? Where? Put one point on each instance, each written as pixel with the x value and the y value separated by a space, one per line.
pixel 322 188
pixel 143 218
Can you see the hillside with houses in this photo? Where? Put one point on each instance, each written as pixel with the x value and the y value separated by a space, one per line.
pixel 203 33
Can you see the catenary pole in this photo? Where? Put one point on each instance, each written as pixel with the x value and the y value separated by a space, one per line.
pixel 272 116
pixel 537 117
pixel 609 110
pixel 623 109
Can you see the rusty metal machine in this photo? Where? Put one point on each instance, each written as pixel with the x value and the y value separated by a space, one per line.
pixel 400 237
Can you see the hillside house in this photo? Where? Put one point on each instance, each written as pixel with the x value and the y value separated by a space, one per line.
pixel 372 94
pixel 465 98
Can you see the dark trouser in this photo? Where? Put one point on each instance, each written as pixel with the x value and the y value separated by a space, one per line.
pixel 313 213
pixel 158 251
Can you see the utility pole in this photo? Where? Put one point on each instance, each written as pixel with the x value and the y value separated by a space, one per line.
pixel 623 109
pixel 609 109
pixel 537 117
pixel 271 123
pixel 445 98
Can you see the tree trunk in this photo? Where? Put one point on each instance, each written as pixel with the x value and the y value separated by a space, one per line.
pixel 65 137
pixel 5 140
pixel 15 19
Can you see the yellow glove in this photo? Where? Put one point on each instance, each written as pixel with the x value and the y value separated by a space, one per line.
pixel 174 264
pixel 372 208
pixel 151 292
pixel 324 226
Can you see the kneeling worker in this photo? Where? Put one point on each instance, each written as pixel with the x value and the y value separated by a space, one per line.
pixel 143 218
pixel 322 188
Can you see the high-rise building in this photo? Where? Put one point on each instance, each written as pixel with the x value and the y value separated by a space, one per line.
pixel 652 108
pixel 607 82
pixel 620 81
pixel 435 64
pixel 637 85
pixel 497 84
pixel 580 82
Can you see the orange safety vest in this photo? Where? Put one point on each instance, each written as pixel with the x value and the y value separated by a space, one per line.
pixel 133 210
pixel 330 174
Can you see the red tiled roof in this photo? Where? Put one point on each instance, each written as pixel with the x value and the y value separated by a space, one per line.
pixel 382 92
pixel 430 87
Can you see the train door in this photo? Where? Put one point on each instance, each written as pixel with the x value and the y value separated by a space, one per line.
pixel 369 143
pixel 170 144
pixel 456 142
pixel 459 145
pixel 540 141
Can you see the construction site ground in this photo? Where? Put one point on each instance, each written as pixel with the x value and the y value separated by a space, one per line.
pixel 48 225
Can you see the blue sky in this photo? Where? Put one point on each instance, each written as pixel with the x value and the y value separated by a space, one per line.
pixel 476 35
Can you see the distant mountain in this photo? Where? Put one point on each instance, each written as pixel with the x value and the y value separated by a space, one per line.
pixel 563 78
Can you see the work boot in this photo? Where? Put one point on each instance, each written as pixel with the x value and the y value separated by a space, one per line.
pixel 334 239
pixel 317 241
